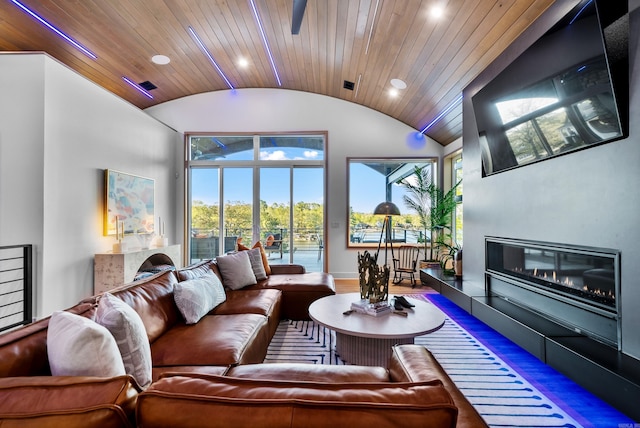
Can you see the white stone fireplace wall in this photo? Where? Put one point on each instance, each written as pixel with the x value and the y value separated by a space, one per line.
pixel 114 269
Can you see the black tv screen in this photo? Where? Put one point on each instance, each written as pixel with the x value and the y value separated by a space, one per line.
pixel 564 93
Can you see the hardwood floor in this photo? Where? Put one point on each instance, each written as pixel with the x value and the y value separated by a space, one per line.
pixel 353 286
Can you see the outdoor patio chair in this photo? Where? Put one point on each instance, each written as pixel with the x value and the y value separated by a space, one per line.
pixel 405 262
pixel 273 243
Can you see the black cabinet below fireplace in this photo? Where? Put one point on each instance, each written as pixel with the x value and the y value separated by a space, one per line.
pixel 597 367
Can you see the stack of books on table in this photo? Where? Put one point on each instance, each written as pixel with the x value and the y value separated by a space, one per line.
pixel 374 309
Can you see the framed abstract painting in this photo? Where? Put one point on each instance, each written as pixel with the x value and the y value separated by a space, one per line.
pixel 130 200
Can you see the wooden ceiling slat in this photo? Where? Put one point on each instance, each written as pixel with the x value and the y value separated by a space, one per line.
pixel 303 61
pixel 175 42
pixel 284 41
pixel 467 58
pixel 404 15
pixel 370 74
pixel 369 12
pixel 339 47
pixel 307 40
pixel 207 27
pixel 473 22
pixel 321 48
pixel 423 74
pixel 415 54
pixel 354 44
pixel 495 40
pixel 436 59
pixel 260 66
pixel 272 38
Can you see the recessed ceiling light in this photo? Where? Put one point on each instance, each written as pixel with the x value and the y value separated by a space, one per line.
pixel 398 84
pixel 393 92
pixel 243 62
pixel 160 59
pixel 437 11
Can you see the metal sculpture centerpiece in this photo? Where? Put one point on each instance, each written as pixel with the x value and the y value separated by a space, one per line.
pixel 374 279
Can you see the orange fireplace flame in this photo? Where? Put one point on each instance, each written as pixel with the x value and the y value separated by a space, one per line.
pixel 568 282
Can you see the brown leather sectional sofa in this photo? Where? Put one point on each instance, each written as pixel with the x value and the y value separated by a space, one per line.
pixel 413 392
pixel 210 373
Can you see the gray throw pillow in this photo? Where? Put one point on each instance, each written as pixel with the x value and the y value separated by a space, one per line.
pixel 127 328
pixel 255 258
pixel 236 270
pixel 197 297
pixel 78 346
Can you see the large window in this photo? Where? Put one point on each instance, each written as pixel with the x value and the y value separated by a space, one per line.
pixel 372 181
pixel 267 188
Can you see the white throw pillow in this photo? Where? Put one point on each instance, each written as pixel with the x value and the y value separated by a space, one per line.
pixel 236 270
pixel 127 328
pixel 255 258
pixel 78 346
pixel 197 297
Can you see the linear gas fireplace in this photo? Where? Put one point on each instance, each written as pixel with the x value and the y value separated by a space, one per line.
pixel 576 286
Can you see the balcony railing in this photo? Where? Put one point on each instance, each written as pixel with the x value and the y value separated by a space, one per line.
pixel 16 267
pixel 307 247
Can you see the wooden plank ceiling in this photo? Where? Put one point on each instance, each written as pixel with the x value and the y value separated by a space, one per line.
pixel 368 42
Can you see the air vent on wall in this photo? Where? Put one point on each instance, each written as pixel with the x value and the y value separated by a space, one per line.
pixel 148 85
pixel 348 85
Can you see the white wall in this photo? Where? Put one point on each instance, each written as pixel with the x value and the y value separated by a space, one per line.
pixel 22 153
pixel 61 131
pixel 353 131
pixel 587 198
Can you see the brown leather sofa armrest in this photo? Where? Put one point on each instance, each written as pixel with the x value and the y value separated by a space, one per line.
pixel 287 269
pixel 69 401
pixel 414 363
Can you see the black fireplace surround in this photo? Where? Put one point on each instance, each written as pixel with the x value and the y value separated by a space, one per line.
pixel 576 286
pixel 559 302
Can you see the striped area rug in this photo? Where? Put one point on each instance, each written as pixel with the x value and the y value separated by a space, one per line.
pixel 499 393
pixel 302 342
pixel 502 396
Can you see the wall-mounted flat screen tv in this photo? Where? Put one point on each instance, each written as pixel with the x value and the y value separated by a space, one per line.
pixel 566 92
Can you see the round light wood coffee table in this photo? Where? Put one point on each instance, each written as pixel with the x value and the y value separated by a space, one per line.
pixel 367 340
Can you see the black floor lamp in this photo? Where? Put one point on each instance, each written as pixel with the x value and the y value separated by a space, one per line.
pixel 387 209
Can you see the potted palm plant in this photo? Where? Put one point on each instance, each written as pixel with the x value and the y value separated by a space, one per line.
pixel 433 206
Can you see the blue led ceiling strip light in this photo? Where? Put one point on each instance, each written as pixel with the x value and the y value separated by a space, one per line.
pixel 264 41
pixel 138 87
pixel 580 11
pixel 55 30
pixel 208 54
pixel 74 43
pixel 442 114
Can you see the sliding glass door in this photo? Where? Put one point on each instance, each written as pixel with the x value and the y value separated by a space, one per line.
pixel 204 206
pixel 308 216
pixel 275 213
pixel 275 196
pixel 237 212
